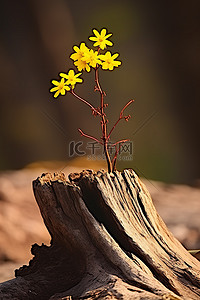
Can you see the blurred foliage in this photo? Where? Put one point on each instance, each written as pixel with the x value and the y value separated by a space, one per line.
pixel 158 44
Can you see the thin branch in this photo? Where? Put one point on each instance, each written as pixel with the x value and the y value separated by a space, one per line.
pixel 122 111
pixel 114 127
pixel 89 136
pixel 114 160
pixel 97 82
pixel 86 102
pixel 119 142
pixel 121 117
pixel 103 121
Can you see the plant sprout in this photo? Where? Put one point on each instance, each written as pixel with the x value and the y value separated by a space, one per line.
pixel 86 59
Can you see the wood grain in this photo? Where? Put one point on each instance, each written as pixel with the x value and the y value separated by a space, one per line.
pixel 108 242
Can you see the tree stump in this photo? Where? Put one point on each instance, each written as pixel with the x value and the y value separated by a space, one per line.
pixel 108 242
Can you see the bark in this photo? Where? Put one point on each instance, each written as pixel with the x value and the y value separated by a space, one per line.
pixel 108 242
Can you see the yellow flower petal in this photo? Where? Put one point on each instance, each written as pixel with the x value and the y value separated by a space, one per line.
pixel 103 33
pixel 83 46
pixel 96 44
pixel 96 33
pixel 93 38
pixel 56 94
pixel 108 35
pixel 54 89
pixel 101 56
pixel 79 80
pixel 109 43
pixel 67 88
pixel 87 68
pixel 107 55
pixel 74 56
pixel 78 74
pixel 71 73
pixel 64 75
pixel 55 82
pixel 115 55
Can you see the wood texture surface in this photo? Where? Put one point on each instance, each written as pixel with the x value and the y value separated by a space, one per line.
pixel 108 242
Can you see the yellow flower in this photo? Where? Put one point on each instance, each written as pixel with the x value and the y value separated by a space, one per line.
pixel 60 87
pixel 79 52
pixel 100 39
pixel 71 77
pixel 82 65
pixel 92 58
pixel 109 61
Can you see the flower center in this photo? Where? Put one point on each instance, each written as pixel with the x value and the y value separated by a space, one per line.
pixel 61 86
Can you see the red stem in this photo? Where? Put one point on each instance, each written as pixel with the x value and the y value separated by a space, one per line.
pixel 121 141
pixel 103 122
pixel 105 137
pixel 114 160
pixel 89 136
pixel 85 101
pixel 131 101
pixel 121 116
pixel 114 127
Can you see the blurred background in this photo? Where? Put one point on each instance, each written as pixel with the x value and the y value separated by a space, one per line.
pixel 159 47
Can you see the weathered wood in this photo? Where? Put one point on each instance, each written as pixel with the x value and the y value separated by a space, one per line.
pixel 108 242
